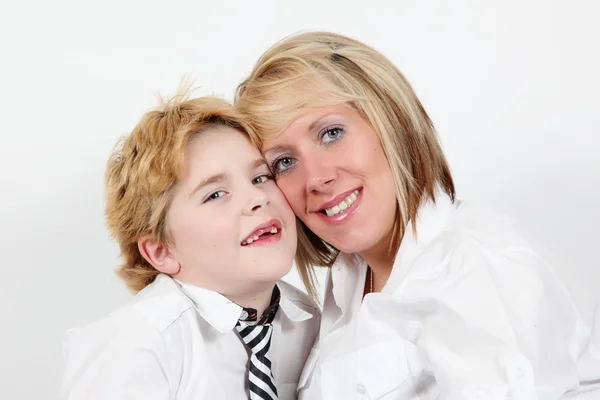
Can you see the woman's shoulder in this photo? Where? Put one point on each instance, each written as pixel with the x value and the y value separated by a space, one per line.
pixel 479 228
pixel 482 253
pixel 480 241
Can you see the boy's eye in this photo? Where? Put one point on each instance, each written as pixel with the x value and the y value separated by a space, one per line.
pixel 215 195
pixel 261 179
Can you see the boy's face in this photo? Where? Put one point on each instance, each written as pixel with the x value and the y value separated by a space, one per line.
pixel 232 228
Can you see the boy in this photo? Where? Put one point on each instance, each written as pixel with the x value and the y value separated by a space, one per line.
pixel 205 236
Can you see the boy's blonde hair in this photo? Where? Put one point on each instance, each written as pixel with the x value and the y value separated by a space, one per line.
pixel 143 171
pixel 323 69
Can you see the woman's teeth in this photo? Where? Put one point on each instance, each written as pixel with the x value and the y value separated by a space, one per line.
pixel 343 205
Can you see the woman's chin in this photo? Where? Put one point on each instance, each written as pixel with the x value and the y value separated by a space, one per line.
pixel 352 246
pixel 358 241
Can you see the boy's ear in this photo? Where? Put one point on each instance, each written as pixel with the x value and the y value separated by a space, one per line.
pixel 159 256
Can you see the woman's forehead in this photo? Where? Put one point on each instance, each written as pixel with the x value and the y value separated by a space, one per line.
pixel 307 119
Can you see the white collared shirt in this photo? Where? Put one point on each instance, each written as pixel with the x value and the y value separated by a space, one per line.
pixel 177 341
pixel 469 312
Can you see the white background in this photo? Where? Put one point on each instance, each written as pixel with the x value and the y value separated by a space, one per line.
pixel 512 86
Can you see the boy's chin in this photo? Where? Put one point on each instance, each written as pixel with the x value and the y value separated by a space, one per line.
pixel 270 270
pixel 272 266
pixel 272 273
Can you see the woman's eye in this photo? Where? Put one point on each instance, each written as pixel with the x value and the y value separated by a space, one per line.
pixel 282 165
pixel 332 135
pixel 261 179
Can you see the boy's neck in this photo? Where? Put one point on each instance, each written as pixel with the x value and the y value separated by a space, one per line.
pixel 259 299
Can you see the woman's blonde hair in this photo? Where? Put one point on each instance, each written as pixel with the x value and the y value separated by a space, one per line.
pixel 323 69
pixel 143 171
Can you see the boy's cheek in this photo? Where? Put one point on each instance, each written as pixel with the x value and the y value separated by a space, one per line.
pixel 277 196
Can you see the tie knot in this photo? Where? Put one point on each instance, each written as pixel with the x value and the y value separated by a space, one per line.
pixel 256 337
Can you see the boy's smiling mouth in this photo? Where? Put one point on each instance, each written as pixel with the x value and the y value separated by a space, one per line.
pixel 267 232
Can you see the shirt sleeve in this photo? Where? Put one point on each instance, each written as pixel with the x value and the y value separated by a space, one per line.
pixel 119 371
pixel 496 325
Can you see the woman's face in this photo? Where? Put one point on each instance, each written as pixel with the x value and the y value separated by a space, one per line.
pixel 330 165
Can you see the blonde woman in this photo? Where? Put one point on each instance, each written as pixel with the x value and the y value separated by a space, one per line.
pixel 427 297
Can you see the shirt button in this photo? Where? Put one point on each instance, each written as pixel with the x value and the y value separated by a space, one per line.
pixel 360 389
pixel 244 315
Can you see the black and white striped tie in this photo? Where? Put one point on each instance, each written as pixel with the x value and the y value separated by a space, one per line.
pixel 260 378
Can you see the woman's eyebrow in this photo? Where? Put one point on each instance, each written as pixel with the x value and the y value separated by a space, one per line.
pixel 276 149
pixel 322 120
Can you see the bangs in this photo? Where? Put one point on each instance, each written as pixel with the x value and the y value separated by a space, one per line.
pixel 273 105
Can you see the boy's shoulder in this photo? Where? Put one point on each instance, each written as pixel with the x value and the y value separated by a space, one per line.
pixel 162 303
pixel 128 337
pixel 146 318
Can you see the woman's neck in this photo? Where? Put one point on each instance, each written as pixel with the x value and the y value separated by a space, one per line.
pixel 380 259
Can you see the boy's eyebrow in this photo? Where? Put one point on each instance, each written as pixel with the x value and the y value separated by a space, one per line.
pixel 208 181
pixel 259 162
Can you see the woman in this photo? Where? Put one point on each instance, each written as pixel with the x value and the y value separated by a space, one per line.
pixel 427 297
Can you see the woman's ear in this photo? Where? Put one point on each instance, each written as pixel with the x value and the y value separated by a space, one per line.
pixel 159 256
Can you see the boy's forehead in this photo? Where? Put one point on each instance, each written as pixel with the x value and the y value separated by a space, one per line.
pixel 214 141
pixel 222 149
pixel 221 137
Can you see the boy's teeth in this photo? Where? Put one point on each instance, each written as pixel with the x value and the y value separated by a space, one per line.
pixel 273 230
pixel 343 205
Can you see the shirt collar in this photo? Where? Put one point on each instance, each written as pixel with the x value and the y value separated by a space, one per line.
pixel 251 317
pixel 216 309
pixel 432 219
pixel 348 279
pixel 290 303
pixel 223 314
pixel 433 216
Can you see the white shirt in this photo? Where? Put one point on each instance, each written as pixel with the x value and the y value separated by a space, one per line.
pixel 469 312
pixel 177 342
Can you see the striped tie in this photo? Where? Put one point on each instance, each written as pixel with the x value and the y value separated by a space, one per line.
pixel 258 339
